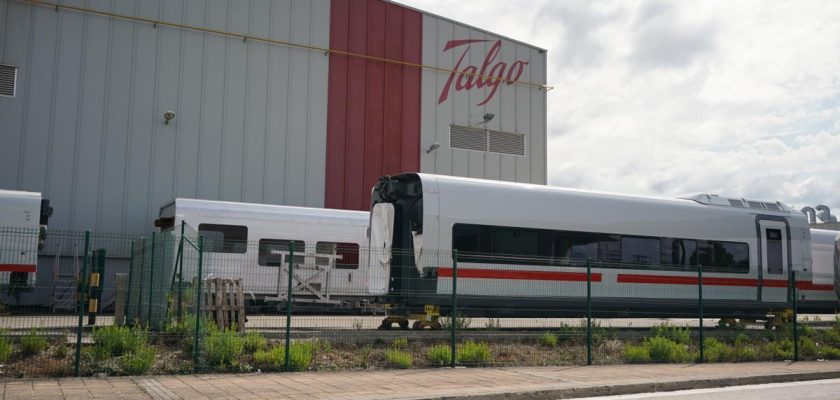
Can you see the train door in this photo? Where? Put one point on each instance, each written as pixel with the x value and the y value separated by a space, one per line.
pixel 775 261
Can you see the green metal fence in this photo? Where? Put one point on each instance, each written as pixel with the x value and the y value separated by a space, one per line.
pixel 177 302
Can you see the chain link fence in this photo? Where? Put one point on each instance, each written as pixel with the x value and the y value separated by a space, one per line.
pixel 178 302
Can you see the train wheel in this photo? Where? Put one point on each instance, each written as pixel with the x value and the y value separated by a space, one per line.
pixel 404 324
pixel 436 326
pixel 417 326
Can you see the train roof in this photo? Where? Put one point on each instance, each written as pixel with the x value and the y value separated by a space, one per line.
pixel 753 206
pixel 230 209
pixel 18 193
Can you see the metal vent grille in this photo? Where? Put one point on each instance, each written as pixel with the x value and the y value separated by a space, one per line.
pixel 8 78
pixel 735 203
pixel 755 204
pixel 507 143
pixel 467 138
pixel 462 137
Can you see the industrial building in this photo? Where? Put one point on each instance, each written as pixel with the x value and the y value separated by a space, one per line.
pixel 113 108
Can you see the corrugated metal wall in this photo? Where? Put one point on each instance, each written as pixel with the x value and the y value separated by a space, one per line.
pixel 517 108
pixel 86 127
pixel 374 106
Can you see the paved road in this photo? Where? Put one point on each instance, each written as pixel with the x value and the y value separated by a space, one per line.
pixel 828 389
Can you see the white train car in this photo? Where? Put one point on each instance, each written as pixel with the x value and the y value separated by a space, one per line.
pixel 253 242
pixel 23 228
pixel 523 248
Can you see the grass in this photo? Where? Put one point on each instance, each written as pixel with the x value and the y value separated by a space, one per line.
pixel 222 348
pixel 254 341
pixel 400 343
pixel 114 341
pixel 473 353
pixel 657 349
pixel 548 339
pixel 138 362
pixel 5 347
pixel 674 333
pixel 33 343
pixel 439 355
pixel 398 358
pixel 636 354
pixel 274 359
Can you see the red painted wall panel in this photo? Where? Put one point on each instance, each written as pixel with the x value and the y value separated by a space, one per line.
pixel 373 107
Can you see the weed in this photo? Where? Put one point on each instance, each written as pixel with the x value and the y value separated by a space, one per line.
pixel 5 347
pixel 831 353
pixel 114 341
pixel 254 341
pixel 460 322
pixel 365 353
pixel 358 324
pixel 808 348
pixel 274 359
pixel 493 324
pixel 400 343
pixel 548 339
pixel 439 355
pixel 398 358
pixel 636 354
pixel 222 348
pixel 473 353
pixel 780 349
pixel 138 362
pixel 674 333
pixel 716 351
pixel 33 343
pixel 60 349
pixel 663 349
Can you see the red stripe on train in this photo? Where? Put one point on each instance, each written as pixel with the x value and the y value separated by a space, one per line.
pixel 17 268
pixel 445 272
pixel 740 282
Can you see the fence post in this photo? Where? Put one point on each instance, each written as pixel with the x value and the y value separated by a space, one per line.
pixel 795 316
pixel 151 280
pixel 453 319
pixel 588 312
pixel 82 292
pixel 180 268
pixel 700 300
pixel 130 273
pixel 198 316
pixel 289 305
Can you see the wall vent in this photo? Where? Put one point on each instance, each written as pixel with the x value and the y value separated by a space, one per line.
pixel 8 80
pixel 478 139
pixel 735 203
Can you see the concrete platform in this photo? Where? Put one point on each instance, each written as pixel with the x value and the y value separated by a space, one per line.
pixel 461 383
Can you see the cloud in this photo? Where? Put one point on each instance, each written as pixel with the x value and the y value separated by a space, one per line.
pixel 740 99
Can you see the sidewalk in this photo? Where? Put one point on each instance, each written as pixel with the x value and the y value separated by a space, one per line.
pixel 474 383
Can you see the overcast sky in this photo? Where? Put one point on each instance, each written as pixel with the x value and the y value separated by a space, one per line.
pixel 738 98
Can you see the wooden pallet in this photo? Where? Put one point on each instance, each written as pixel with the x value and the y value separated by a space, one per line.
pixel 222 301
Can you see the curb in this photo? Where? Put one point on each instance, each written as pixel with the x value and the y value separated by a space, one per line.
pixel 636 388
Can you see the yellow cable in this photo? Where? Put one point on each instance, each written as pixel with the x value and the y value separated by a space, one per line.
pixel 57 7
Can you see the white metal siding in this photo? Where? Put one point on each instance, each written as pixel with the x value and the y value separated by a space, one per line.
pixel 517 108
pixel 86 127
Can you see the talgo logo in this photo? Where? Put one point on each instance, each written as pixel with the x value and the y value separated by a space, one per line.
pixel 491 73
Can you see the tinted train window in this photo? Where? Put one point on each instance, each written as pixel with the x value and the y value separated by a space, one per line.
pixel 609 248
pixel 470 241
pixel 579 246
pixel 731 257
pixel 346 254
pixel 775 264
pixel 678 252
pixel 703 255
pixel 274 251
pixel 516 242
pixel 224 238
pixel 640 250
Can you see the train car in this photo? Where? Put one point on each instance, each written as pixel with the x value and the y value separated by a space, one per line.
pixel 523 249
pixel 253 242
pixel 23 229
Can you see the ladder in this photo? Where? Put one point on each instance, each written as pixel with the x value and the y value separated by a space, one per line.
pixel 65 283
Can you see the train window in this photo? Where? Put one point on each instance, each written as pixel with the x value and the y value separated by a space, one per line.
pixel 576 247
pixel 731 257
pixel 273 251
pixel 678 253
pixel 224 238
pixel 775 264
pixel 346 255
pixel 703 255
pixel 516 242
pixel 471 241
pixel 609 248
pixel 640 250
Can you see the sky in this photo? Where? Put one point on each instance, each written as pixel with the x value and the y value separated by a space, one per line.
pixel 737 98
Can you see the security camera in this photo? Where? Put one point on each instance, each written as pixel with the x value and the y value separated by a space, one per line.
pixel 168 116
